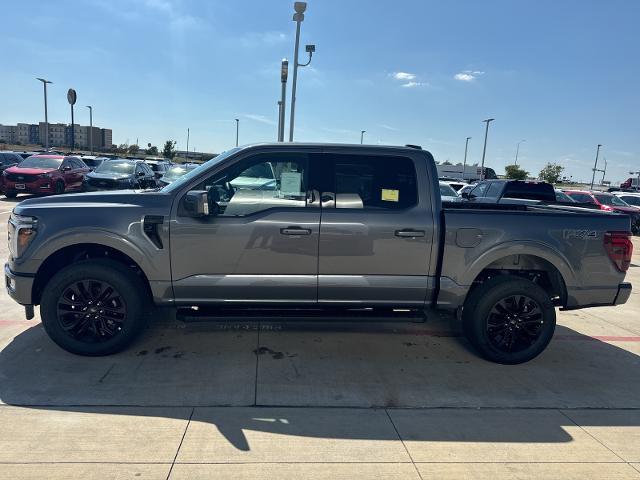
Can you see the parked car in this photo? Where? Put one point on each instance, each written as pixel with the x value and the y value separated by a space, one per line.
pixel 466 189
pixel 447 193
pixel 44 174
pixel 609 203
pixel 631 183
pixel 457 185
pixel 9 159
pixel 92 161
pixel 121 174
pixel 563 197
pixel 345 227
pixel 631 198
pixel 510 191
pixel 30 154
pixel 159 167
pixel 176 171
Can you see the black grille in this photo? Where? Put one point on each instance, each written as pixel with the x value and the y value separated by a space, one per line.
pixel 102 183
pixel 20 177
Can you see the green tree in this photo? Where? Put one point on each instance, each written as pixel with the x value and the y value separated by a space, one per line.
pixel 169 149
pixel 152 150
pixel 551 173
pixel 447 162
pixel 122 148
pixel 515 172
pixel 133 149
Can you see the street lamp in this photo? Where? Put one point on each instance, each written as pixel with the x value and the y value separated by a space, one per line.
pixel 187 156
pixel 90 128
pixel 237 130
pixel 484 149
pixel 362 132
pixel 464 165
pixel 46 117
pixel 595 166
pixel 518 150
pixel 298 17
pixel 284 75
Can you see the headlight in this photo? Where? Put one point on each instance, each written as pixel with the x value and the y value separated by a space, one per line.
pixel 45 175
pixel 21 231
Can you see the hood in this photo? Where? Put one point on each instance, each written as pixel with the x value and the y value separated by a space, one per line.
pixel 29 171
pixel 626 209
pixel 109 176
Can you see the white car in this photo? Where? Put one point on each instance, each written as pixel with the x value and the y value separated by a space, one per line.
pixel 631 198
pixel 447 193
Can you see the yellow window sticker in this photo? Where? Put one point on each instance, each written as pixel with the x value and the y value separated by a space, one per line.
pixel 389 195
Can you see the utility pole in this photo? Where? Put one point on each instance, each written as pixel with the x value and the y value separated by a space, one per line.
pixel 298 17
pixel 518 150
pixel 187 156
pixel 237 130
pixel 604 172
pixel 484 149
pixel 46 117
pixel 362 132
pixel 90 128
pixel 464 164
pixel 284 75
pixel 595 166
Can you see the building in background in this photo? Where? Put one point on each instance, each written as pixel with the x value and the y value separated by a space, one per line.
pixel 59 135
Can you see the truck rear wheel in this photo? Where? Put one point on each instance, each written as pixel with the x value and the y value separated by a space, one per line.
pixel 93 307
pixel 509 320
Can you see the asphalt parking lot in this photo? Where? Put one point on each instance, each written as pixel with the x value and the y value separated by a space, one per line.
pixel 321 400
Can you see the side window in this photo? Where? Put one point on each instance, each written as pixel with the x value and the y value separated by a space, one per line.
pixel 494 190
pixel 375 182
pixel 139 169
pixel 65 163
pixel 479 190
pixel 259 183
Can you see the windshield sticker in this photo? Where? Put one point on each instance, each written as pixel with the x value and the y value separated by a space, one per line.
pixel 389 195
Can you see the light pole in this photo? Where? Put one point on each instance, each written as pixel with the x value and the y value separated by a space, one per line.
pixel 298 17
pixel 484 149
pixel 284 75
pixel 46 117
pixel 464 165
pixel 362 132
pixel 518 150
pixel 595 166
pixel 187 156
pixel 237 130
pixel 90 128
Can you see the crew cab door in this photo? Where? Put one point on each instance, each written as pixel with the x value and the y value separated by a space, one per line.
pixel 261 246
pixel 376 230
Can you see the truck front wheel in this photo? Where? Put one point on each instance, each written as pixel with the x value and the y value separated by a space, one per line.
pixel 93 307
pixel 509 320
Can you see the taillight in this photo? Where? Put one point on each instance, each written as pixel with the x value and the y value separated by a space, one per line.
pixel 619 248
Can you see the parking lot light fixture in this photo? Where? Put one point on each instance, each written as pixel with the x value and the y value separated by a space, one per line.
pixel 484 149
pixel 46 117
pixel 464 164
pixel 237 130
pixel 595 166
pixel 90 128
pixel 362 132
pixel 518 150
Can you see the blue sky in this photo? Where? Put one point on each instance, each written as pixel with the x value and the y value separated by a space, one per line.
pixel 561 74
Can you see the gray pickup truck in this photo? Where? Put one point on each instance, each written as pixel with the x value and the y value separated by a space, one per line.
pixel 311 228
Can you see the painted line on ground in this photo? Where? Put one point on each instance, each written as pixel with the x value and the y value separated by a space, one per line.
pixel 6 211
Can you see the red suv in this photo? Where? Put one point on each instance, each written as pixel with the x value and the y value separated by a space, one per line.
pixel 44 174
pixel 608 202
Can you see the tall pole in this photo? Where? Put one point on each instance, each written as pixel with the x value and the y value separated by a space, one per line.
pixel 73 131
pixel 464 165
pixel 284 74
pixel 90 128
pixel 595 166
pixel 237 130
pixel 518 150
pixel 604 172
pixel 187 156
pixel 298 17
pixel 484 149
pixel 46 116
pixel 362 132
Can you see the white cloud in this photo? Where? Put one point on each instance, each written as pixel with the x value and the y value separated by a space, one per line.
pixel 404 76
pixel 414 84
pixel 468 75
pixel 388 127
pixel 259 39
pixel 259 118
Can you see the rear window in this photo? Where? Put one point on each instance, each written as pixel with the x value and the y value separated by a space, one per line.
pixel 581 197
pixel 611 200
pixel 530 191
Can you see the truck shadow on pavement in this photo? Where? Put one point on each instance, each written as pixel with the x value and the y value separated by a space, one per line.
pixel 192 371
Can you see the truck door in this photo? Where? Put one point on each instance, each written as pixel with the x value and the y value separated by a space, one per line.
pixel 261 246
pixel 376 230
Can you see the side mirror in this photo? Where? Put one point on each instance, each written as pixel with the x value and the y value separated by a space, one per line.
pixel 66 169
pixel 141 174
pixel 196 204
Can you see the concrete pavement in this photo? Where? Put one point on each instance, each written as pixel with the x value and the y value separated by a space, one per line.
pixel 322 400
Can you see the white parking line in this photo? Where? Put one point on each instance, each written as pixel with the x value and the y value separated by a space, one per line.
pixel 6 211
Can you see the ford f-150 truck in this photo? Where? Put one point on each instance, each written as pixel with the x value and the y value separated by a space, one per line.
pixel 332 227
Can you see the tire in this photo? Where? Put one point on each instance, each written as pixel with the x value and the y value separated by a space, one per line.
pixel 112 329
pixel 11 194
pixel 509 320
pixel 59 188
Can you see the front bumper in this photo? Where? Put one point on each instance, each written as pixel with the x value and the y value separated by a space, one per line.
pixel 19 286
pixel 44 185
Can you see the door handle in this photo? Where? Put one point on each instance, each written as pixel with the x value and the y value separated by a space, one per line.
pixel 409 233
pixel 295 231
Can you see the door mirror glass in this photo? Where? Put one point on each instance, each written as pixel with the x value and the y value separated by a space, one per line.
pixel 196 204
pixel 66 168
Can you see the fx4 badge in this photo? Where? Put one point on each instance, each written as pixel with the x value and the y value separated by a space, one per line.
pixel 581 234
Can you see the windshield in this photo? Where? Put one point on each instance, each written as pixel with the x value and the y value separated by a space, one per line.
pixel 447 191
pixel 611 200
pixel 186 178
pixel 563 197
pixel 41 162
pixel 115 166
pixel 635 201
pixel 176 172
